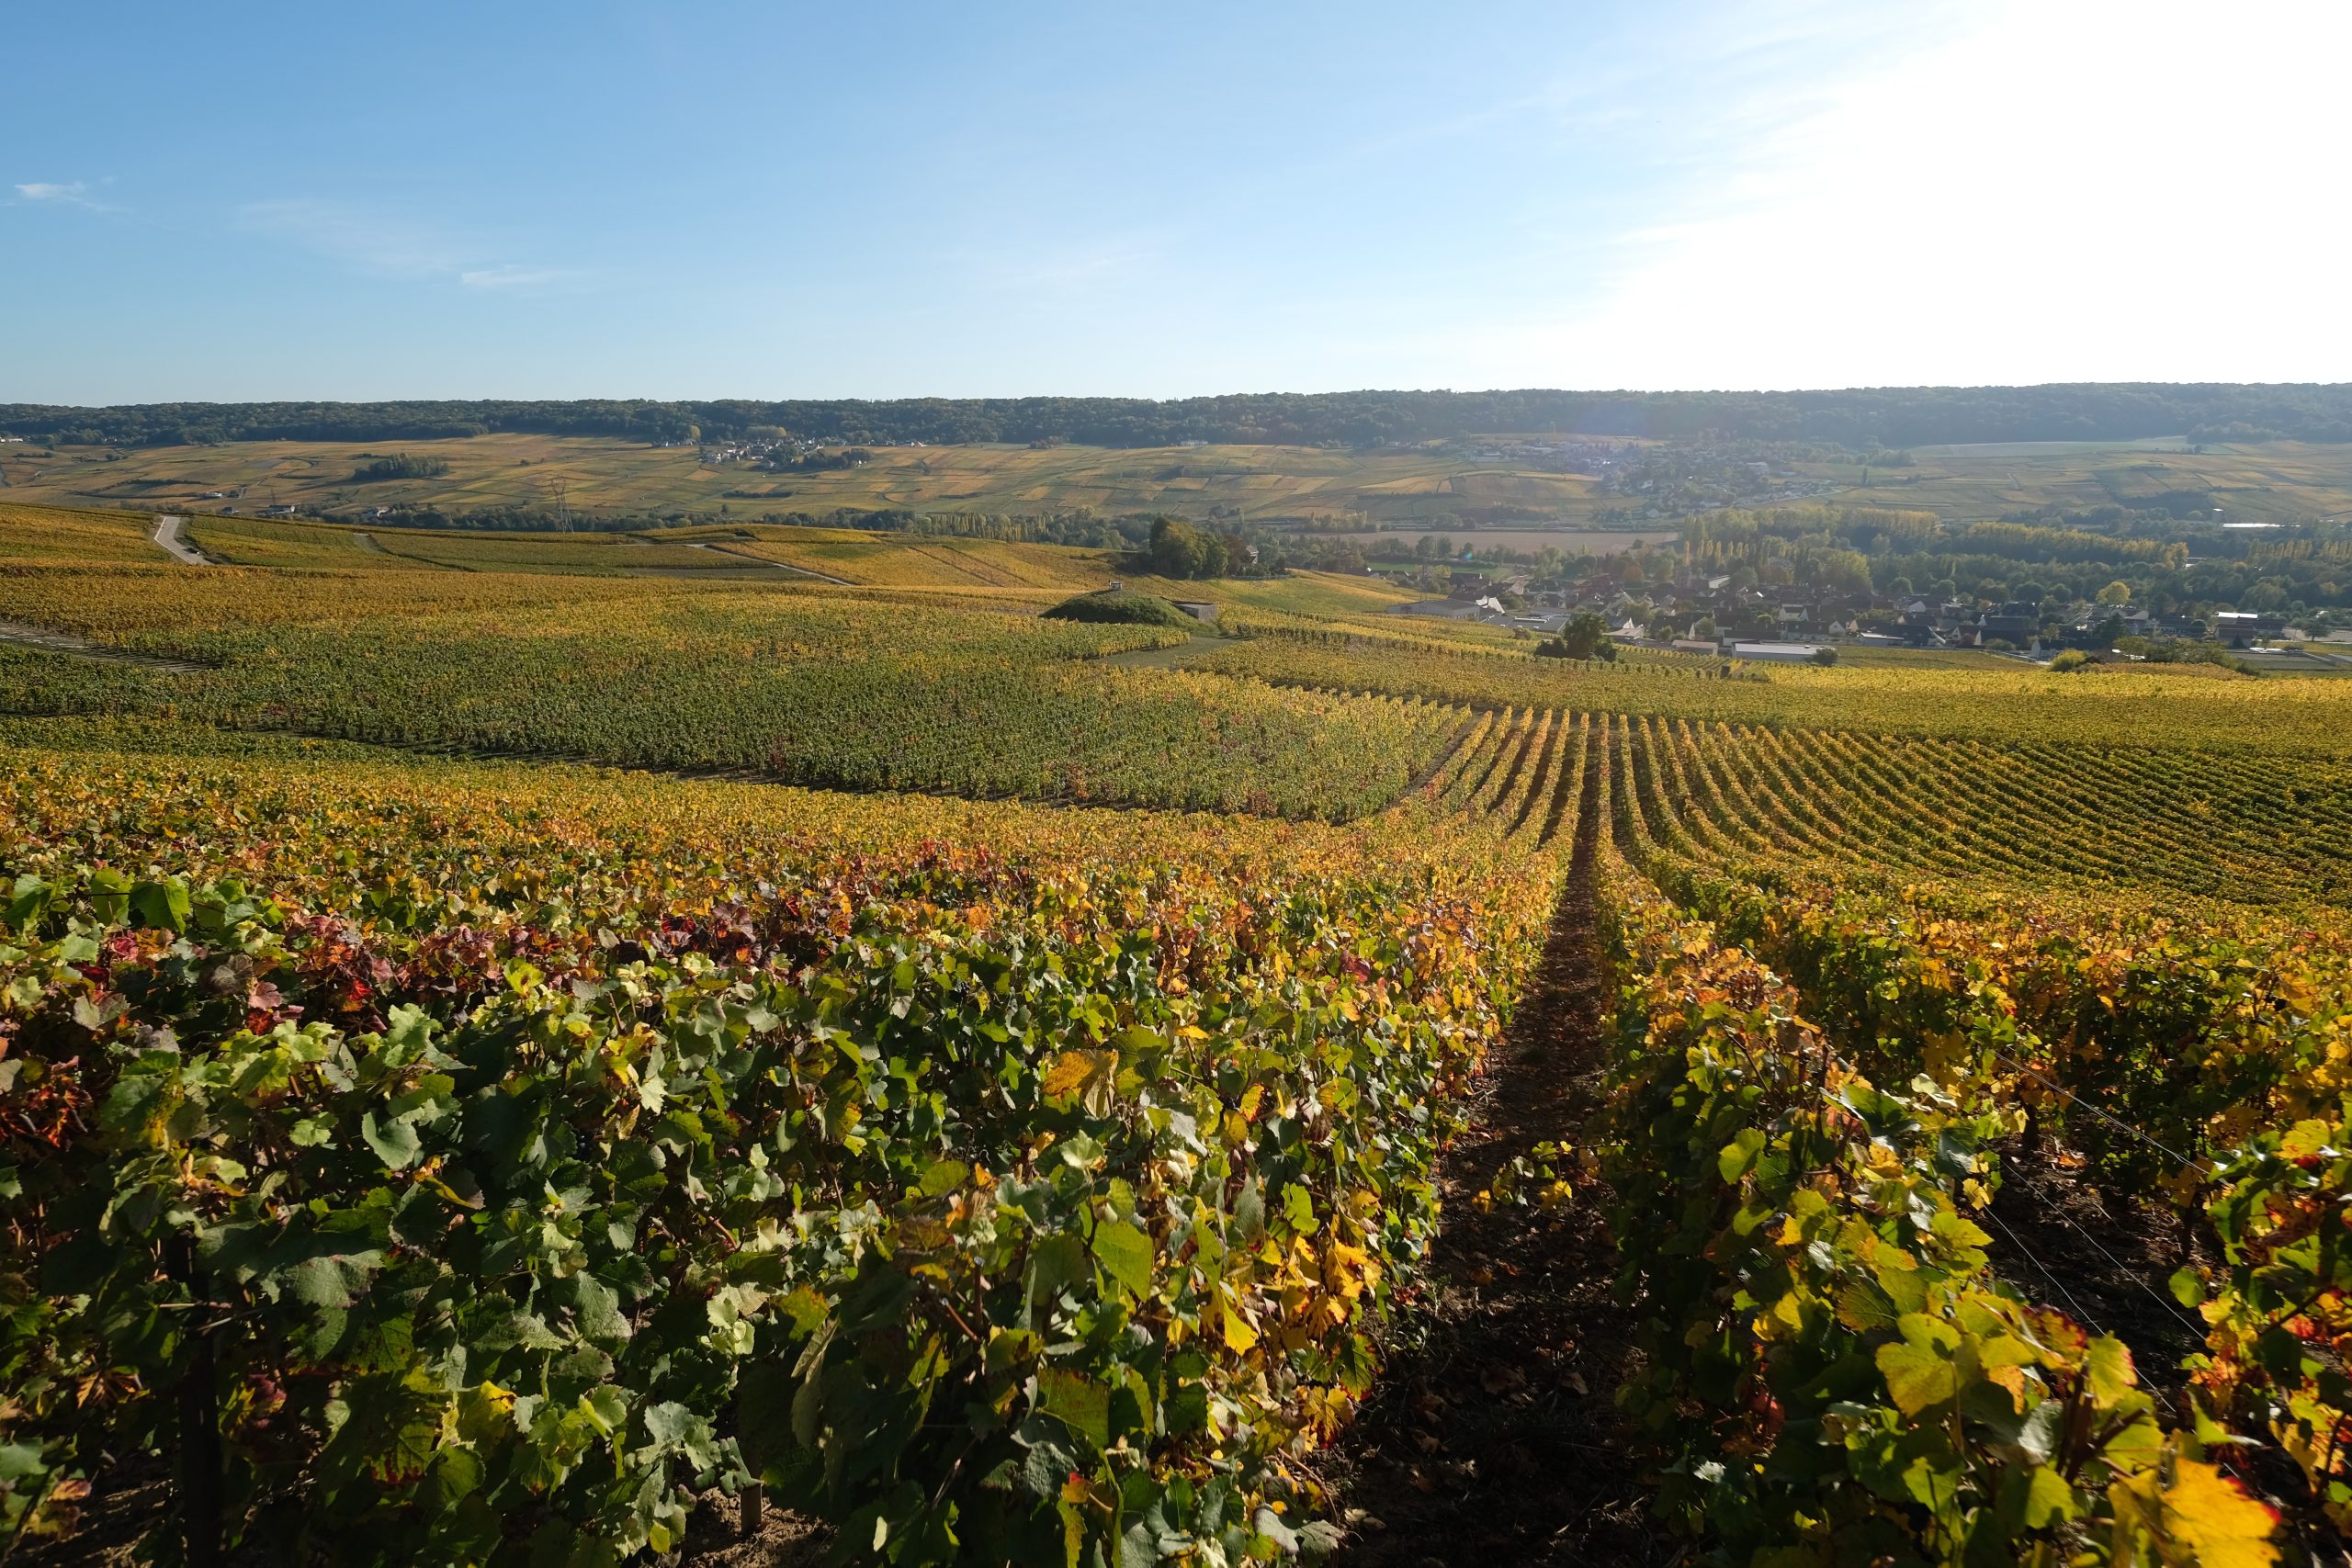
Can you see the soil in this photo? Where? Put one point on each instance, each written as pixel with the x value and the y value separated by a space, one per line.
pixel 2106 1260
pixel 1492 1436
pixel 130 1501
pixel 715 1538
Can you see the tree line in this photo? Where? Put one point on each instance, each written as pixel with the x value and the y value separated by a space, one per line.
pixel 400 465
pixel 1861 419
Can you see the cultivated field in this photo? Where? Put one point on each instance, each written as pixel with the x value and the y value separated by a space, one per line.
pixel 560 1048
pixel 595 475
pixel 2280 481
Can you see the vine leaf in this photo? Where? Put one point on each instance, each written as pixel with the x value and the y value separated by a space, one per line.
pixel 1917 1375
pixel 1125 1253
pixel 395 1143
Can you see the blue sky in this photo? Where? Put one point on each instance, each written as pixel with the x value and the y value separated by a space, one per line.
pixel 241 200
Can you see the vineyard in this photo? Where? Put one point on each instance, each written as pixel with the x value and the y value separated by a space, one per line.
pixel 2308 719
pixel 792 689
pixel 863 559
pixel 1836 1108
pixel 549 1065
pixel 1116 1145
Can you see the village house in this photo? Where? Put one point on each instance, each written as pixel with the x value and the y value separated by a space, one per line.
pixel 2015 622
pixel 2240 628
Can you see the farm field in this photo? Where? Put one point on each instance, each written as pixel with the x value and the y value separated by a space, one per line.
pixel 1567 541
pixel 2283 481
pixel 1949 696
pixel 606 477
pixel 70 537
pixel 512 1055
pixel 901 561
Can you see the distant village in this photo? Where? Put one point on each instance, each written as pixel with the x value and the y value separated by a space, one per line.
pixel 1709 612
pixel 1646 481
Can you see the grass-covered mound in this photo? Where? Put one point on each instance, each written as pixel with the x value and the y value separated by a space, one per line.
pixel 1121 609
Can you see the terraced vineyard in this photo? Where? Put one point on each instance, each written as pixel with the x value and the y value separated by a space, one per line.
pixel 421 1141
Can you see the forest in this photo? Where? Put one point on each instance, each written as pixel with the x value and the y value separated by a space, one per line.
pixel 1863 418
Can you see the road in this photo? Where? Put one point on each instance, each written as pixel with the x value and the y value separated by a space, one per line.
pixel 168 533
pixel 762 561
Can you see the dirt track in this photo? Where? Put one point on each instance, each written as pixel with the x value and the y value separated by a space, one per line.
pixel 1492 1436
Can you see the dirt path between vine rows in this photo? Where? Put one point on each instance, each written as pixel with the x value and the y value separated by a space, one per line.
pixel 763 560
pixel 25 635
pixel 1492 1436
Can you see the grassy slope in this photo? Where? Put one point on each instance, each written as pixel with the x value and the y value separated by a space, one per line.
pixel 866 559
pixel 1301 593
pixel 244 542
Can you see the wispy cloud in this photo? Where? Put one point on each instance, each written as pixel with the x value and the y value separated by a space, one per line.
pixel 385 244
pixel 1050 264
pixel 514 277
pixel 73 193
pixel 380 242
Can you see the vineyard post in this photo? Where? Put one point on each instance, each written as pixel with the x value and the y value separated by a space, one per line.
pixel 199 1416
pixel 755 1495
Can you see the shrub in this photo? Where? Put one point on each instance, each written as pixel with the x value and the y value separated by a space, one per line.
pixel 1120 609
